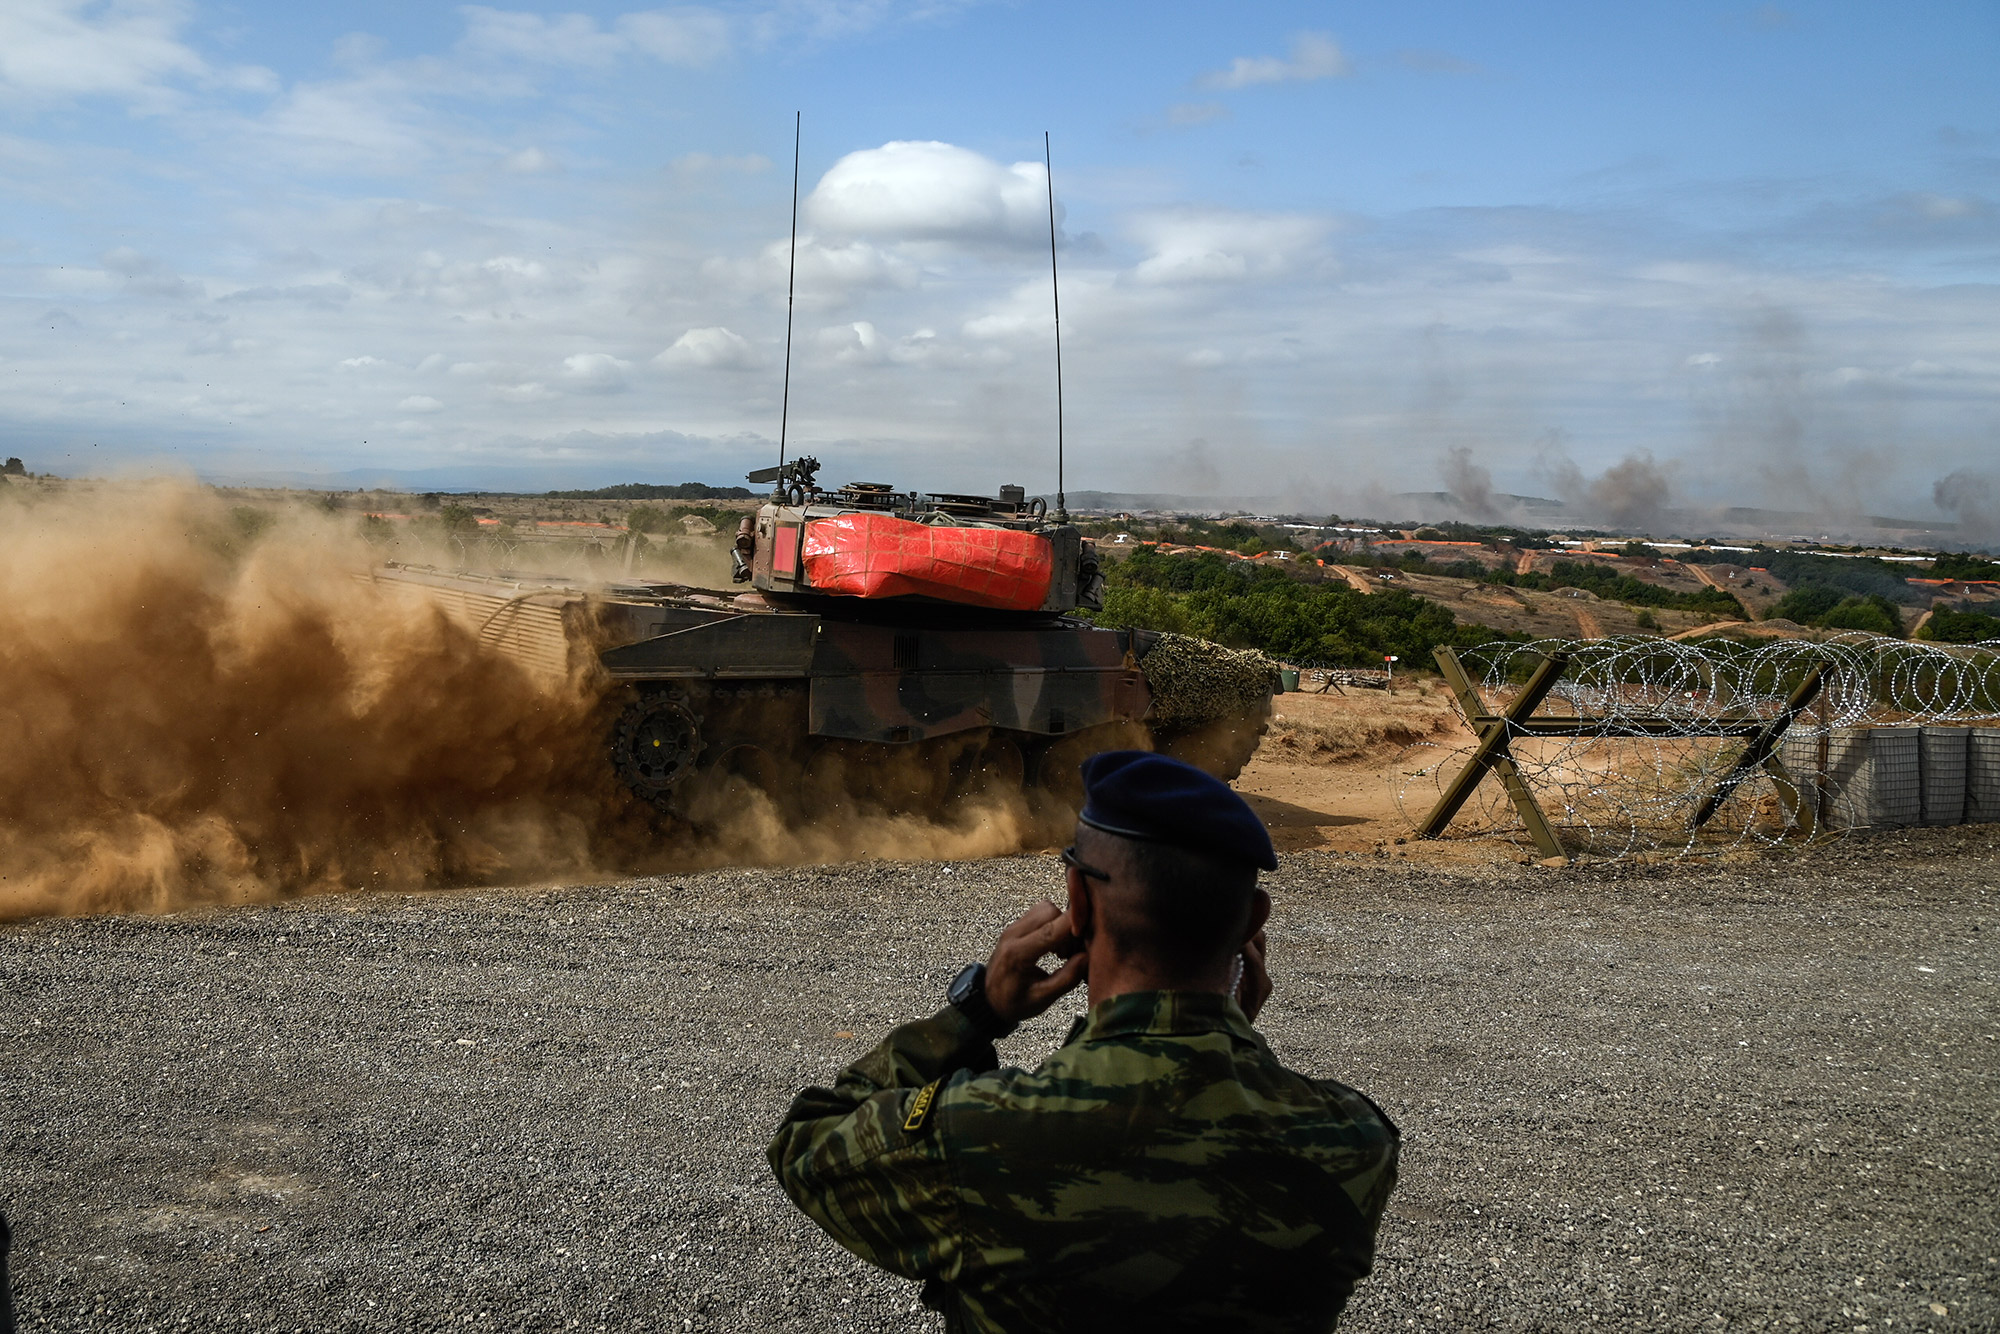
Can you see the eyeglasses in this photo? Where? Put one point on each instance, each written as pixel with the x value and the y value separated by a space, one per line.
pixel 1070 859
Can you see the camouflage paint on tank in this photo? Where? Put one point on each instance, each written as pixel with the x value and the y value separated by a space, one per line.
pixel 900 683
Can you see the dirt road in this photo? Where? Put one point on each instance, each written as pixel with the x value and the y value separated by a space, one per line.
pixel 1709 1096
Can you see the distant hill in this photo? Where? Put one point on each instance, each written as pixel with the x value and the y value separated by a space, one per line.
pixel 656 491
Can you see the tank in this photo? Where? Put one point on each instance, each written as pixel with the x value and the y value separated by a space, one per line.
pixel 892 648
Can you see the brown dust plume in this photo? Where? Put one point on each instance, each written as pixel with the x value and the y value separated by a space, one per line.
pixel 195 712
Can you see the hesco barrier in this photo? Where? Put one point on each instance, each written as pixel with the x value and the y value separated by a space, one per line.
pixel 1868 777
pixel 1886 777
pixel 1982 776
pixel 1943 751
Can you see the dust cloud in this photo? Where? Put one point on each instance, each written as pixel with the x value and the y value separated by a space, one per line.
pixel 1968 498
pixel 1470 485
pixel 204 708
pixel 1634 492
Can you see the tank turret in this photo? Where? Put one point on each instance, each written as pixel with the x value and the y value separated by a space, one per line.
pixel 871 541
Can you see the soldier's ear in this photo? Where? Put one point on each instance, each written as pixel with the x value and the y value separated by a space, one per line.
pixel 1082 910
pixel 1260 912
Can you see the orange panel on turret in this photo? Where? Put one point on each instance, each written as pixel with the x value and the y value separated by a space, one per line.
pixel 880 556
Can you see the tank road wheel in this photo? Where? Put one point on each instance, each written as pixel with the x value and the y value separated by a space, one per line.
pixel 656 744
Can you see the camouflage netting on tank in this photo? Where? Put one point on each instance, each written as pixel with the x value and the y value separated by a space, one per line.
pixel 1194 681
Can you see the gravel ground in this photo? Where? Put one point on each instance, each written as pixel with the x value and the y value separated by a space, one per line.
pixel 1756 1095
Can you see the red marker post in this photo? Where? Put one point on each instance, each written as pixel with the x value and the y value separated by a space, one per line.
pixel 1389 661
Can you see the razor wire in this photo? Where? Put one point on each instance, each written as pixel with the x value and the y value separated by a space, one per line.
pixel 1630 783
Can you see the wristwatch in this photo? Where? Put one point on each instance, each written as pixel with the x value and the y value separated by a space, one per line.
pixel 967 994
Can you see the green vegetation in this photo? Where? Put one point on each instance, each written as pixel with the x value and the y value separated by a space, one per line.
pixel 646 519
pixel 654 491
pixel 1607 583
pixel 1872 613
pixel 458 519
pixel 724 518
pixel 1830 609
pixel 1258 606
pixel 1806 605
pixel 1953 565
pixel 1846 575
pixel 1416 562
pixel 1960 627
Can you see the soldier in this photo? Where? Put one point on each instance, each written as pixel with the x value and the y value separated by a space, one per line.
pixel 1161 1170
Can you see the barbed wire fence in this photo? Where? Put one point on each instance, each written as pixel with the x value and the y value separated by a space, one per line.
pixel 1659 728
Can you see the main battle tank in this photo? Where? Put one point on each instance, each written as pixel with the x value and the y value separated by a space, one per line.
pixel 894 649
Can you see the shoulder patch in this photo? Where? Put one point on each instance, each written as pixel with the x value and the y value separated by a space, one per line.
pixel 920 1107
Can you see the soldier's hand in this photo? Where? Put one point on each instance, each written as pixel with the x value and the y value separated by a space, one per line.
pixel 1016 986
pixel 1255 987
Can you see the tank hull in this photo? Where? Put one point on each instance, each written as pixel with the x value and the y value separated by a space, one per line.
pixel 716 685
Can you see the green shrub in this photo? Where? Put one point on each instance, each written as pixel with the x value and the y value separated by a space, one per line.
pixel 1856 576
pixel 1874 614
pixel 1252 606
pixel 1806 605
pixel 1950 565
pixel 646 519
pixel 1960 627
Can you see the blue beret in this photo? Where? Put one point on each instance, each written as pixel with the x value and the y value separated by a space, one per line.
pixel 1138 794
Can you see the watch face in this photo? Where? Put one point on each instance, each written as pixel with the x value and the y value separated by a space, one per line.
pixel 966 984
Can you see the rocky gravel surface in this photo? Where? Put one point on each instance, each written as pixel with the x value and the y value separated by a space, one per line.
pixel 1758 1094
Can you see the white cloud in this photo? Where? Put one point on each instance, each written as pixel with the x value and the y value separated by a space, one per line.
pixel 361 363
pixel 147 276
pixel 529 161
pixel 1219 245
pixel 685 36
pixel 857 344
pixel 929 191
pixel 567 39
pixel 1314 55
pixel 73 48
pixel 594 373
pixel 711 348
pixel 376 119
pixel 827 274
pixel 420 403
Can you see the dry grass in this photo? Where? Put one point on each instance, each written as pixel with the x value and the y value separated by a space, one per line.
pixel 1339 729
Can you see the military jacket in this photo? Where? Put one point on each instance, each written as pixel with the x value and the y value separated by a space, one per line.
pixel 1160 1171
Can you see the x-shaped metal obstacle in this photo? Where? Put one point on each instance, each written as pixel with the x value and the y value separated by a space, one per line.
pixel 1496 733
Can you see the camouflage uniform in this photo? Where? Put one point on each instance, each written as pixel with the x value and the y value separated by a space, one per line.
pixel 1160 1171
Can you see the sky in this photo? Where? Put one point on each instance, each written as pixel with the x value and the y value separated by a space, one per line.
pixel 1642 258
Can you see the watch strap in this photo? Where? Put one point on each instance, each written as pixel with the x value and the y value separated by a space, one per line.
pixel 968 997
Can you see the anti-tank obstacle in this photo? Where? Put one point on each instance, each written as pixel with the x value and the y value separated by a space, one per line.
pixel 1676 748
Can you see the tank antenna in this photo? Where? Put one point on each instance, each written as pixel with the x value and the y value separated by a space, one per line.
pixel 1055 292
pixel 791 278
